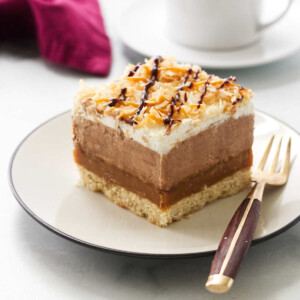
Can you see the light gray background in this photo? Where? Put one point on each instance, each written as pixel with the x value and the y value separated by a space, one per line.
pixel 37 264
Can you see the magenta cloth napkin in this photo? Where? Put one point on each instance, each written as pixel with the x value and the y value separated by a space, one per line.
pixel 69 32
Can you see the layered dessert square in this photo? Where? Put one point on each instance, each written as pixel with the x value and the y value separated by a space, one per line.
pixel 164 139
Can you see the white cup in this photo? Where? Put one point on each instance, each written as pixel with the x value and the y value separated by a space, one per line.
pixel 216 24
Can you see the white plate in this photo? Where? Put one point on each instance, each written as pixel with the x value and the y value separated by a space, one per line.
pixel 44 180
pixel 142 29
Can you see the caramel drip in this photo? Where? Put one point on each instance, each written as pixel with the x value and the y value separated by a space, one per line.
pixel 122 97
pixel 226 81
pixel 204 91
pixel 132 72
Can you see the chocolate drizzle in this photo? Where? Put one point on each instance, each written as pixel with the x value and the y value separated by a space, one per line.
pixel 238 100
pixel 154 71
pixel 196 74
pixel 226 81
pixel 179 108
pixel 132 72
pixel 113 102
pixel 204 91
pixel 177 97
pixel 128 121
pixel 170 125
pixel 122 97
pixel 123 94
pixel 189 72
pixel 186 77
pixel 168 118
pixel 185 97
pixel 145 94
pixel 148 85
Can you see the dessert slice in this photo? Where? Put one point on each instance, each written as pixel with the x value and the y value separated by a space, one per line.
pixel 164 139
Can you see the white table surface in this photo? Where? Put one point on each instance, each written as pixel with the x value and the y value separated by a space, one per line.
pixel 37 264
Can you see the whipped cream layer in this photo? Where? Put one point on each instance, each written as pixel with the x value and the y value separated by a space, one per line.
pixel 155 137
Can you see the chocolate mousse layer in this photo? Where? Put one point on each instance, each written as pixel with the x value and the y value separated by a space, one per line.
pixel 212 148
pixel 163 198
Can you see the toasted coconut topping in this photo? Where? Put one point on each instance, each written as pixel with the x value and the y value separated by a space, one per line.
pixel 162 92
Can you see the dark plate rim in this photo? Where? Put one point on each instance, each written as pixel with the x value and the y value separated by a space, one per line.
pixel 117 251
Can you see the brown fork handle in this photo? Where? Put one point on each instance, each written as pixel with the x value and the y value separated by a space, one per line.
pixel 235 242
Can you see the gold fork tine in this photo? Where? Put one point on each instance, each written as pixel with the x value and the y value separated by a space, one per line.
pixel 275 160
pixel 265 156
pixel 286 164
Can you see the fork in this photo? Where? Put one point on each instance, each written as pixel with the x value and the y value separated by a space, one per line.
pixel 239 232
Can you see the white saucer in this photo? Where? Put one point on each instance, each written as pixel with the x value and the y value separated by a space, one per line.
pixel 43 179
pixel 142 29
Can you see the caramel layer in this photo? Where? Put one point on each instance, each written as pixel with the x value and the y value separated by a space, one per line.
pixel 163 198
